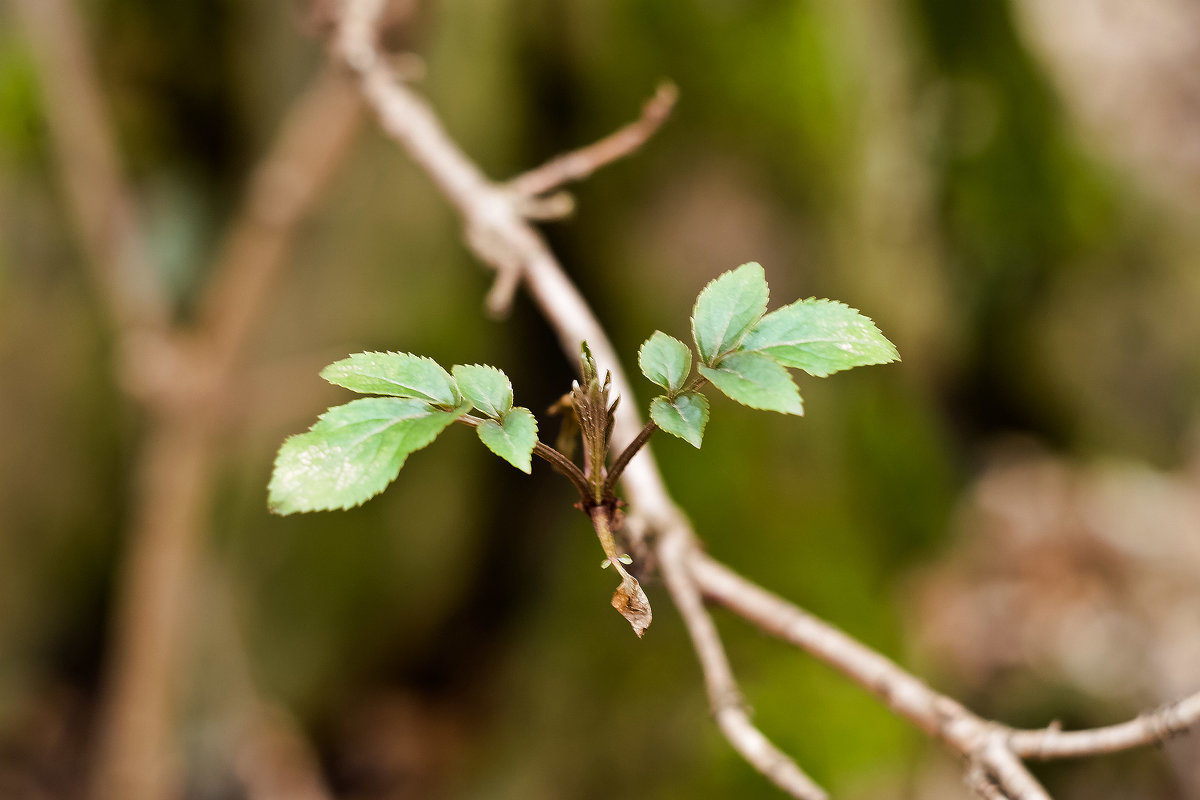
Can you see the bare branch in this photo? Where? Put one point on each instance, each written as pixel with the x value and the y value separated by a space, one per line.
pixel 162 368
pixel 89 166
pixel 579 164
pixel 498 231
pixel 1150 728
pixel 723 694
pixel 1005 771
pixel 631 450
pixel 502 237
pixel 563 465
pixel 903 693
pixel 936 714
pixel 312 142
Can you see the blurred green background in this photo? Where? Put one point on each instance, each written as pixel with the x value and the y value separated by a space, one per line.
pixel 930 163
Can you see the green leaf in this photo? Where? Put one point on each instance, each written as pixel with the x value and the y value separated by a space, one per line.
pixel 726 309
pixel 755 380
pixel 665 360
pixel 396 374
pixel 512 438
pixel 820 337
pixel 352 453
pixel 488 389
pixel 685 416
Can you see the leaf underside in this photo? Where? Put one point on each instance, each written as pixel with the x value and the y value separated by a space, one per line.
pixel 395 374
pixel 488 389
pixel 727 309
pixel 757 381
pixel 685 416
pixel 352 453
pixel 820 337
pixel 512 438
pixel 665 360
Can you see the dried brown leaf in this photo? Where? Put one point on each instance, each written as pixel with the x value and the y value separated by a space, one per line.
pixel 631 601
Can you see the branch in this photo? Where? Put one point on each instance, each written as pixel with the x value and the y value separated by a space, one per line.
pixel 723 695
pixel 88 167
pixel 501 236
pixel 171 373
pixel 1150 728
pixel 565 466
pixel 312 143
pixel 497 233
pixel 580 164
pixel 631 450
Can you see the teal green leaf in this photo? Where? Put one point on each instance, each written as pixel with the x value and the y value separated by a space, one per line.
pixel 820 337
pixel 685 416
pixel 756 380
pixel 488 389
pixel 512 438
pixel 727 309
pixel 352 453
pixel 396 374
pixel 665 360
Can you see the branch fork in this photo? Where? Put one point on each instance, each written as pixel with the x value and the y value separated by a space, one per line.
pixel 497 219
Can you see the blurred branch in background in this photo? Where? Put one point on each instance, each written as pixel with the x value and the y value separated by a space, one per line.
pixel 180 377
pixel 1081 573
pixel 910 159
pixel 503 238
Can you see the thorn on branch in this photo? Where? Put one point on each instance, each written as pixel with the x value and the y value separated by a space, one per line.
pixel 550 207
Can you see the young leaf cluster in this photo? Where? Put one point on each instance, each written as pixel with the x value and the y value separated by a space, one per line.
pixel 746 353
pixel 355 450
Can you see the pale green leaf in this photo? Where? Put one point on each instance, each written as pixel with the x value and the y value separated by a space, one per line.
pixel 727 309
pixel 397 374
pixel 665 360
pixel 820 337
pixel 512 438
pixel 685 416
pixel 352 453
pixel 755 380
pixel 488 389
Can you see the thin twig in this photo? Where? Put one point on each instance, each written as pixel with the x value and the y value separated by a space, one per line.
pixel 312 142
pixel 527 191
pixel 1151 728
pixel 89 167
pixel 631 450
pixel 580 164
pixel 172 374
pixel 561 463
pixel 724 697
pixel 502 238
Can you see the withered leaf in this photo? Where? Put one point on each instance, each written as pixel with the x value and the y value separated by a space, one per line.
pixel 632 603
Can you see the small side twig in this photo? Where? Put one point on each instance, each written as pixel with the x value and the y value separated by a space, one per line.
pixel 565 466
pixel 631 450
pixel 1150 728
pixel 580 164
pixel 501 236
pixel 528 191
